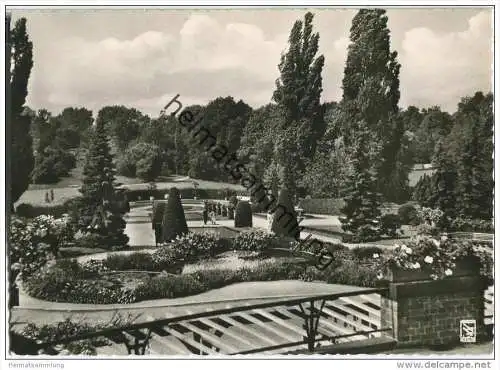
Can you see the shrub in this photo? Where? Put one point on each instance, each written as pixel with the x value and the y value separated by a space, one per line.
pixel 72 252
pixel 88 241
pixel 169 287
pixel 134 261
pixel 439 256
pixel 408 214
pixel 167 258
pixel 93 268
pixel 366 252
pixel 194 246
pixel 233 200
pixel 30 211
pixel 471 225
pixel 158 212
pixel 66 282
pixel 174 220
pixel 255 241
pixel 284 218
pixel 230 212
pixel 63 329
pixel 243 215
pixel 32 243
pixel 390 225
pixel 350 272
pixel 327 206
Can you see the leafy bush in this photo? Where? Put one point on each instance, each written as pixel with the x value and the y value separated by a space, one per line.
pixel 88 241
pixel 438 255
pixel 30 211
pixel 243 215
pixel 233 200
pixel 284 218
pixel 186 193
pixel 390 225
pixel 255 241
pixel 69 283
pixel 133 261
pixel 174 220
pixel 194 246
pixel 408 214
pixel 158 211
pixel 168 257
pixel 471 225
pixel 327 206
pixel 93 268
pixel 230 212
pixel 366 252
pixel 32 243
pixel 61 330
pixel 72 252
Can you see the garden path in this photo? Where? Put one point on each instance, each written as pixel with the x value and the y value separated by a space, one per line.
pixel 139 230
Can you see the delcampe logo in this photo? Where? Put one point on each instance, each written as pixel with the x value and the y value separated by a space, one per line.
pixel 468 331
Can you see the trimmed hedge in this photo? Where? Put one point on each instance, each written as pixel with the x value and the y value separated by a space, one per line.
pixel 327 206
pixel 243 215
pixel 185 193
pixel 27 210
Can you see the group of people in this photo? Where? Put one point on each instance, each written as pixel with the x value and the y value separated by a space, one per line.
pixel 207 214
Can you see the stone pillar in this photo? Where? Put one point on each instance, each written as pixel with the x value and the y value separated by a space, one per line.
pixel 426 312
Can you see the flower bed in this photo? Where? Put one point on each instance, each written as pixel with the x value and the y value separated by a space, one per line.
pixel 93 282
pixel 428 257
pixel 144 276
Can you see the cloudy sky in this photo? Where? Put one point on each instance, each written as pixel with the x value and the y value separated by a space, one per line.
pixel 141 58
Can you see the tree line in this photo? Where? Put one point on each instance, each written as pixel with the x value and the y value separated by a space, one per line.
pixel 360 148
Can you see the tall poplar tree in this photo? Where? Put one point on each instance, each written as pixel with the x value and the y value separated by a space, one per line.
pixel 298 91
pixel 20 61
pixel 371 66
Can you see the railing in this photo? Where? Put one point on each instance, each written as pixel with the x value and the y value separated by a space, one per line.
pixel 290 325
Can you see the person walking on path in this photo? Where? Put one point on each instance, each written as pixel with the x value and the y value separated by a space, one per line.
pixel 205 212
pixel 212 217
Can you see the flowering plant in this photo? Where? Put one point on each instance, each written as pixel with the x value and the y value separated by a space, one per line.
pixel 438 256
pixel 32 243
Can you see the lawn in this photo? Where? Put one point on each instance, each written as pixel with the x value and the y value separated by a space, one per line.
pixel 67 188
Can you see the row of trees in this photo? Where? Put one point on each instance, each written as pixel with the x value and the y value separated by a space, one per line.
pixel 463 182
pixel 365 143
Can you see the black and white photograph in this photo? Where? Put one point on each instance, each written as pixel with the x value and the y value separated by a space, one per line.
pixel 281 181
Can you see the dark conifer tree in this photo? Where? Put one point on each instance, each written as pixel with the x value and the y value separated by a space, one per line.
pixel 100 209
pixel 362 202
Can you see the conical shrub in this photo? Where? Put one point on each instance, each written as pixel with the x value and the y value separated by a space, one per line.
pixel 284 217
pixel 174 220
pixel 243 216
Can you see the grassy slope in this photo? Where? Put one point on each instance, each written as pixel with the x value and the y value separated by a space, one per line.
pixel 67 188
